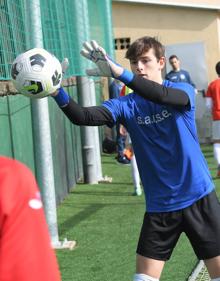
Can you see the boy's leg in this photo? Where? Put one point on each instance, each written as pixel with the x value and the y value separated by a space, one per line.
pixel 120 140
pixel 159 235
pixel 216 147
pixel 216 143
pixel 213 267
pixel 149 267
pixel 135 176
pixel 144 277
pixel 202 226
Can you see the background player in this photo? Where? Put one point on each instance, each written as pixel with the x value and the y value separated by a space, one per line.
pixel 177 74
pixel 213 104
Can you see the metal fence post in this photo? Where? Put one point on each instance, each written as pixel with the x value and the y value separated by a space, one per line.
pixel 41 129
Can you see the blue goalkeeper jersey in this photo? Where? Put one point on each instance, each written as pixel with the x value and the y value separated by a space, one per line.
pixel 173 170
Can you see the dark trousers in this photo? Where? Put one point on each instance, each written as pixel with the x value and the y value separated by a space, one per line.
pixel 120 140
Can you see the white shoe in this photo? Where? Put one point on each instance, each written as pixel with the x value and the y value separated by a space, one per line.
pixel 137 191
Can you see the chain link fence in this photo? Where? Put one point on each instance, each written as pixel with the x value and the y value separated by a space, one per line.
pixel 65 25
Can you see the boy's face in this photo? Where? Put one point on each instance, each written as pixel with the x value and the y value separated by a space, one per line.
pixel 175 63
pixel 148 66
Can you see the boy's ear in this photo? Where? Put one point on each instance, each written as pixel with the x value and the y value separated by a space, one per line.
pixel 162 62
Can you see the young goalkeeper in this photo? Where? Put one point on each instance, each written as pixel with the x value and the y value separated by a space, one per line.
pixel 160 118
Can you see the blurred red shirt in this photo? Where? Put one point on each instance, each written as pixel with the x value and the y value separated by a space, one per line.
pixel 213 92
pixel 25 247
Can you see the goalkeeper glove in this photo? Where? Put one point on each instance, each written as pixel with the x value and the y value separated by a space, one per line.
pixel 105 66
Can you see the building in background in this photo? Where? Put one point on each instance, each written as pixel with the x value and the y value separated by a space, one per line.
pixel 189 29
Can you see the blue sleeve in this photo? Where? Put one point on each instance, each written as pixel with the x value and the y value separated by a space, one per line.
pixel 190 91
pixel 114 106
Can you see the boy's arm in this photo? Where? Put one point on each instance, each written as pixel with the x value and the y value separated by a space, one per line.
pixel 89 116
pixel 208 98
pixel 147 89
pixel 158 93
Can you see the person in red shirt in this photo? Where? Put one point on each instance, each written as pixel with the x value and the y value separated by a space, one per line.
pixel 213 103
pixel 25 247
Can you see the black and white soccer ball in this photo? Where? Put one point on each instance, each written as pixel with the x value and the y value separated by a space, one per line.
pixel 36 73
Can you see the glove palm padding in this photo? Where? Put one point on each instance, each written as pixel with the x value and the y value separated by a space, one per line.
pixel 105 66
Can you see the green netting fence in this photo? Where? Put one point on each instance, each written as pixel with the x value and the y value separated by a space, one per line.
pixel 65 25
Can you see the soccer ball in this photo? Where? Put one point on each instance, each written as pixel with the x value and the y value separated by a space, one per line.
pixel 36 73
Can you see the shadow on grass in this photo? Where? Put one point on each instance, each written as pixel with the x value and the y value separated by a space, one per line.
pixel 208 155
pixel 117 165
pixel 206 147
pixel 76 219
pixel 104 193
pixel 86 213
pixel 108 162
pixel 212 167
pixel 216 178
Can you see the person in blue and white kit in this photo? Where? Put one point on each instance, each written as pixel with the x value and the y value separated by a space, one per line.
pixel 160 118
pixel 177 74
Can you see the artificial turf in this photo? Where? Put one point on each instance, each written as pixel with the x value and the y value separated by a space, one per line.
pixel 105 221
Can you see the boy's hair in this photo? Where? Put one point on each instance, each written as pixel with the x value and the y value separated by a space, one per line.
pixel 217 68
pixel 173 57
pixel 144 44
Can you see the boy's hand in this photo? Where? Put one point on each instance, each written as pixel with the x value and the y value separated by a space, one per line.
pixel 64 65
pixel 105 66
